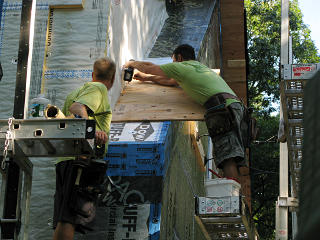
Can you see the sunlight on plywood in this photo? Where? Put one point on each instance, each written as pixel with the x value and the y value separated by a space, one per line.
pixel 144 101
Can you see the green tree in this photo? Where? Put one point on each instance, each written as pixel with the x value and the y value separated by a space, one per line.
pixel 264 177
pixel 263 31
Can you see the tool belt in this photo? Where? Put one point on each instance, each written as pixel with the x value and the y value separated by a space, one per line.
pixel 88 185
pixel 219 118
pixel 219 99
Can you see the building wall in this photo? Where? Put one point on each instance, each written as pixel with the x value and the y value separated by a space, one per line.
pixel 183 182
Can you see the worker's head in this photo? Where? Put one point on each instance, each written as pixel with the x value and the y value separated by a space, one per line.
pixel 183 52
pixel 104 70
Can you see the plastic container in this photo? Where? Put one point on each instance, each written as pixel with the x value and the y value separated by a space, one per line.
pixel 37 106
pixel 221 187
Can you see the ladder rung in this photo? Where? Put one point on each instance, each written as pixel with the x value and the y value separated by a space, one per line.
pixel 297 136
pixel 294 92
pixel 295 122
pixel 295 109
pixel 295 147
pixel 221 220
pixel 8 220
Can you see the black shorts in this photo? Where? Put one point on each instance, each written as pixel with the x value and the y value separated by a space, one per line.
pixel 66 174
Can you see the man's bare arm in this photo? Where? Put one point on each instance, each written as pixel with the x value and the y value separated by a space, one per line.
pixel 146 67
pixel 156 79
pixel 81 110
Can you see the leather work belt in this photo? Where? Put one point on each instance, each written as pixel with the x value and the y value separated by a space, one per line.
pixel 219 99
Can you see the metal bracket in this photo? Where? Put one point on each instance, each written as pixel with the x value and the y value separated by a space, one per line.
pixel 51 138
pixel 288 202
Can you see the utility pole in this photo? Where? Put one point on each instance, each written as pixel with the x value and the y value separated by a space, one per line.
pixel 282 211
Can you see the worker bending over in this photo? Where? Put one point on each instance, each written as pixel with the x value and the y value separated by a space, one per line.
pixel 225 112
pixel 73 206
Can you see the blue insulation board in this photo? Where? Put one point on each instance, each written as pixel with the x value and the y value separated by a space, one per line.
pixel 139 149
pixel 154 221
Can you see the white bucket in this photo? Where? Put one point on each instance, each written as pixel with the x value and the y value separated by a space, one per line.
pixel 221 187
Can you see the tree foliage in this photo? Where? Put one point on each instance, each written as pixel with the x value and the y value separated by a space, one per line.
pixel 264 177
pixel 263 30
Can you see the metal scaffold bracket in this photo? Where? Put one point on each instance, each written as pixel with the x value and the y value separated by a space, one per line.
pixel 288 202
pixel 49 138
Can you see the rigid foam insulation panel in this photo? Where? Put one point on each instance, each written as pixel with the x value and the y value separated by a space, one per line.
pixel 138 155
pixel 135 222
pixel 139 149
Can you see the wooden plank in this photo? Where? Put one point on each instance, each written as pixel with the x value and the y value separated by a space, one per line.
pixel 202 228
pixel 144 101
pixel 197 145
pixel 232 21
pixel 234 63
pixel 67 4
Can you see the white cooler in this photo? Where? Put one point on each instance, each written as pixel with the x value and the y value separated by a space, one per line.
pixel 221 187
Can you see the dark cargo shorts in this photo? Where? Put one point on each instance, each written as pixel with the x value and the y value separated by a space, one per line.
pixel 229 144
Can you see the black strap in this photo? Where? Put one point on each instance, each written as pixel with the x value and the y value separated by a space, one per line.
pixel 101 113
pixel 219 99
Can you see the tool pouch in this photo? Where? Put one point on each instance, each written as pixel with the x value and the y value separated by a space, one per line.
pixel 219 120
pixel 84 196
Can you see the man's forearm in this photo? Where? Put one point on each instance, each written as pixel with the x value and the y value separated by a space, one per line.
pixel 147 67
pixel 163 80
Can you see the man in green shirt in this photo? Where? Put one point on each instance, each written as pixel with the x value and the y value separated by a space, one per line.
pixel 224 115
pixel 89 102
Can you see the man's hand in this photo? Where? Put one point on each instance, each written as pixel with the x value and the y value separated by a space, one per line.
pixel 101 137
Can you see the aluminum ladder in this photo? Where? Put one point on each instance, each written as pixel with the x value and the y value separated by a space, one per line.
pixel 293 80
pixel 232 221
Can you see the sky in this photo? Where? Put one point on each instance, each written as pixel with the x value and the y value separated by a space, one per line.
pixel 310 10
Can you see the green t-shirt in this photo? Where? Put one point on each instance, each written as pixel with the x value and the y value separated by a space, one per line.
pixel 95 96
pixel 197 80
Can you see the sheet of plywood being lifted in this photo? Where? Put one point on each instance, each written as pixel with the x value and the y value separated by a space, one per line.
pixel 144 101
pixel 147 101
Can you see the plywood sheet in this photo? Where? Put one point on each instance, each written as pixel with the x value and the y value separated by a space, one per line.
pixel 142 101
